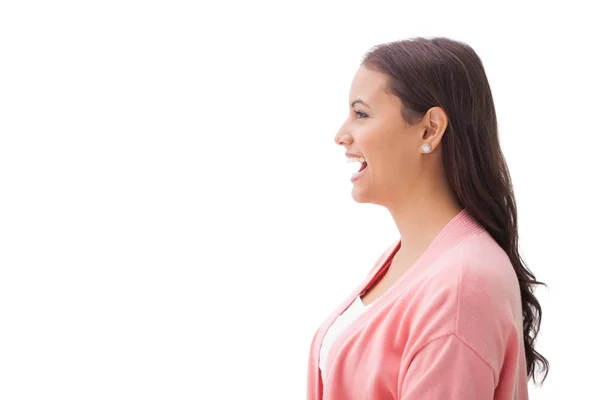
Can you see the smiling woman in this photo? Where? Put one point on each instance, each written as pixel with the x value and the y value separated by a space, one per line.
pixel 448 311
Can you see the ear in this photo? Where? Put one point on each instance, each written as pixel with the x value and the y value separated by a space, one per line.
pixel 435 123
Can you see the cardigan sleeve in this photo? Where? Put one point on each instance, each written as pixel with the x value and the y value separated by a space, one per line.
pixel 447 369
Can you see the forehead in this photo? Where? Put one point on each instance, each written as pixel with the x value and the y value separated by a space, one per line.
pixel 369 85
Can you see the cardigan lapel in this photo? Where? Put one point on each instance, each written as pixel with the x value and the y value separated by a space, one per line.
pixel 376 271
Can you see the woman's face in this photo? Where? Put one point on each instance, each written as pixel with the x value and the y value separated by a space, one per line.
pixel 376 131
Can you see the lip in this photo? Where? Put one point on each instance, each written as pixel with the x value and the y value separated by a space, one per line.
pixel 356 176
pixel 354 155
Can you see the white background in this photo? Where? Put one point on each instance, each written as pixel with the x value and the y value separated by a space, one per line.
pixel 176 220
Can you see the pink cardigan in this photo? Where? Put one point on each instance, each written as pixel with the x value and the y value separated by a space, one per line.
pixel 449 329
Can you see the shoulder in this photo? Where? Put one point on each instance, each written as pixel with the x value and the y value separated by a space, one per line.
pixel 471 291
pixel 476 270
pixel 486 301
pixel 477 276
pixel 486 279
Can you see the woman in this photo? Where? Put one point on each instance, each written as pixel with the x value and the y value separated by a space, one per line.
pixel 448 311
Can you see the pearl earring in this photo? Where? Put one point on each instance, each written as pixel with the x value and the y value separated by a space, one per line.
pixel 426 148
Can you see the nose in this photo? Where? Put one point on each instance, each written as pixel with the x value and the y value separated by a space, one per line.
pixel 342 137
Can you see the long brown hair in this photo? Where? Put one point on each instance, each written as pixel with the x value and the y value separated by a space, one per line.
pixel 429 72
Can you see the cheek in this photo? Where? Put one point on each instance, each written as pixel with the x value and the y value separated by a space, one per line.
pixel 383 149
pixel 393 161
pixel 373 141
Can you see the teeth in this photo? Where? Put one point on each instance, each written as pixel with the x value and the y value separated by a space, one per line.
pixel 355 159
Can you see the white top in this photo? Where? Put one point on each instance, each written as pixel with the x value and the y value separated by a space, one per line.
pixel 341 323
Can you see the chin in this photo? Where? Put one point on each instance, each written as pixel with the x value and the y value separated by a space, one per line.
pixel 360 196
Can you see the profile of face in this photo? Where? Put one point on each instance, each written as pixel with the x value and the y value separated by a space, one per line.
pixel 391 147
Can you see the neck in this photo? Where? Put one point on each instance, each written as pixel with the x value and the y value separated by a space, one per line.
pixel 421 220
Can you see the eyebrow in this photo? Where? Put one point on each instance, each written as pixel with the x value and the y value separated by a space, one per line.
pixel 359 101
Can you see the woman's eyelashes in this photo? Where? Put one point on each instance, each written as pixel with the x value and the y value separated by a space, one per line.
pixel 361 115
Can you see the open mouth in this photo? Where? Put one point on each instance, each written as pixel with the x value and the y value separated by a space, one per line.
pixel 361 167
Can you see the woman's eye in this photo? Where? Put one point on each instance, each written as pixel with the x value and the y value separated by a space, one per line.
pixel 361 114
